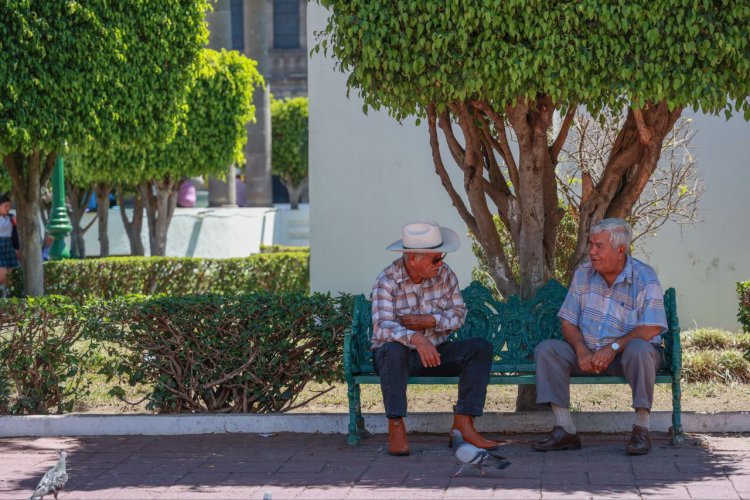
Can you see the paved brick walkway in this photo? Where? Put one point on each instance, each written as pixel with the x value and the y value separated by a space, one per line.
pixel 320 466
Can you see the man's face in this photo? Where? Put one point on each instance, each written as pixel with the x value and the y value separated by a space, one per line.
pixel 605 259
pixel 4 208
pixel 425 265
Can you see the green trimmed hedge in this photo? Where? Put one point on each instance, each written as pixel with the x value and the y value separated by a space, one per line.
pixel 113 277
pixel 743 316
pixel 210 353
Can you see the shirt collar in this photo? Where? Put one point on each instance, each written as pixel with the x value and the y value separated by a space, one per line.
pixel 398 272
pixel 626 274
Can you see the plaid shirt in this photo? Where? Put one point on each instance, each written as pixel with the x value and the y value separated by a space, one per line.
pixel 394 294
pixel 603 314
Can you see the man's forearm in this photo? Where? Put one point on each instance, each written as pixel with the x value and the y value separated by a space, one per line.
pixel 640 332
pixel 574 337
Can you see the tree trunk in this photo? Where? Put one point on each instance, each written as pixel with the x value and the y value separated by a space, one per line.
pixel 133 229
pixel 102 190
pixel 160 199
pixel 28 174
pixel 79 200
pixel 295 192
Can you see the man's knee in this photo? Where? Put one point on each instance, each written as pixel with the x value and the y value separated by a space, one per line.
pixel 637 349
pixel 545 348
pixel 480 347
pixel 394 351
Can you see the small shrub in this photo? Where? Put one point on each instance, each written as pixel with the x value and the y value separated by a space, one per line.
pixel 742 341
pixel 743 294
pixel 725 366
pixel 226 354
pixel 176 276
pixel 43 362
pixel 282 249
pixel 708 338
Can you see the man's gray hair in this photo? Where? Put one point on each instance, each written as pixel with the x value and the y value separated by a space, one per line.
pixel 619 232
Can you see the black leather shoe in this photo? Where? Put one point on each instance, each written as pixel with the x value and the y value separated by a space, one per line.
pixel 558 440
pixel 640 441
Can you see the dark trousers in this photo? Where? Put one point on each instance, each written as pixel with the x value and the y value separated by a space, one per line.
pixel 469 359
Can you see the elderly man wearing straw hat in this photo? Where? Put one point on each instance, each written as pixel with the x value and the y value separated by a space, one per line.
pixel 416 305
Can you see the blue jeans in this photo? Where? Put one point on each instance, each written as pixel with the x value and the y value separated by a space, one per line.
pixel 469 359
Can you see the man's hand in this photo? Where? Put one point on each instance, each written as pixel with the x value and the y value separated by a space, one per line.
pixel 418 322
pixel 428 353
pixel 603 358
pixel 586 361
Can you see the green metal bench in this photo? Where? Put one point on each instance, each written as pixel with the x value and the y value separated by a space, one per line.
pixel 514 328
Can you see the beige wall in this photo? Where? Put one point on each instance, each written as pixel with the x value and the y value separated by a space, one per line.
pixel 368 174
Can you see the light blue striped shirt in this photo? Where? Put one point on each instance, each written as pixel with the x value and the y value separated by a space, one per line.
pixel 603 314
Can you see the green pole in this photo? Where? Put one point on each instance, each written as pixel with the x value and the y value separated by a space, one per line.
pixel 59 224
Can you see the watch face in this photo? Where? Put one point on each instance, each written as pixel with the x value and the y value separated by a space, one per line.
pixel 615 346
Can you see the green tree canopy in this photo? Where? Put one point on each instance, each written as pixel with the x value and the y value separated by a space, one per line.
pixel 485 65
pixel 87 73
pixel 405 55
pixel 289 143
pixel 210 139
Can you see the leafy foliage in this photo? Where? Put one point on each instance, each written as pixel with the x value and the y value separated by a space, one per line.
pixel 238 354
pixel 743 316
pixel 290 139
pixel 43 364
pixel 213 134
pixel 403 55
pixel 176 276
pixel 282 249
pixel 109 71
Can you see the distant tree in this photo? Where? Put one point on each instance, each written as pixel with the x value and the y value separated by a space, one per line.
pixel 289 136
pixel 82 73
pixel 210 139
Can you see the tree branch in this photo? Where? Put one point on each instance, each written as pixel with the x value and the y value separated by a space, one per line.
pixel 562 136
pixel 467 217
pixel 644 134
pixel 502 140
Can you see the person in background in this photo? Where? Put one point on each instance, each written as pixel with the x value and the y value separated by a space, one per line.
pixel 241 188
pixel 186 195
pixel 9 243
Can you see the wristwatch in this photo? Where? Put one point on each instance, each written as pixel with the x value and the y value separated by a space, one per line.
pixel 615 346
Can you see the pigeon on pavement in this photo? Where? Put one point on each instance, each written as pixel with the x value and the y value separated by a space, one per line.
pixel 53 481
pixel 468 454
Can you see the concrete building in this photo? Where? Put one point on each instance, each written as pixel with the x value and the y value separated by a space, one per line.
pixel 370 174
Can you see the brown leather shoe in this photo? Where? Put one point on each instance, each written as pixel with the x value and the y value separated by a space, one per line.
pixel 398 443
pixel 465 425
pixel 558 440
pixel 640 441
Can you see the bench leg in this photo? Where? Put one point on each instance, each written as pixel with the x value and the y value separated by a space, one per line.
pixel 356 420
pixel 676 429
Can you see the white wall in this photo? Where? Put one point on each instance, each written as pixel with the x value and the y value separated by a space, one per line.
pixel 368 175
pixel 704 261
pixel 212 232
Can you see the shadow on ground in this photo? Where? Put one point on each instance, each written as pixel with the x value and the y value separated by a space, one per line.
pixel 313 465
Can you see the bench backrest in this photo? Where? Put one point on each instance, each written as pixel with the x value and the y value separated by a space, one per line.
pixel 514 326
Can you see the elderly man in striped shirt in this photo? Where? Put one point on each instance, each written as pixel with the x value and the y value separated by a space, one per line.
pixel 416 305
pixel 612 319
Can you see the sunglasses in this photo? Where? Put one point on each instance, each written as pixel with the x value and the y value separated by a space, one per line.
pixel 438 260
